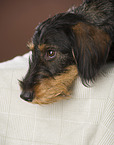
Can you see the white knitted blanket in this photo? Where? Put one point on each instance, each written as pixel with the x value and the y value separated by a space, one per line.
pixel 85 119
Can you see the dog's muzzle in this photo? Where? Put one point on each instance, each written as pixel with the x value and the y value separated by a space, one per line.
pixel 27 96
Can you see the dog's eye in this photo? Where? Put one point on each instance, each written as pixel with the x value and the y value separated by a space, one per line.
pixel 50 54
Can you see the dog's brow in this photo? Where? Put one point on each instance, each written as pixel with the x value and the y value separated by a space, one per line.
pixel 42 47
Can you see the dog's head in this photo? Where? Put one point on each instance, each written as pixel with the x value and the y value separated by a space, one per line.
pixel 63 47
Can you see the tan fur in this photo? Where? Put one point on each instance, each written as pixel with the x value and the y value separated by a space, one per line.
pixel 30 45
pixel 51 90
pixel 42 47
pixel 98 36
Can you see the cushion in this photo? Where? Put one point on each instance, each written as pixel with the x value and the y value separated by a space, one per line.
pixel 85 119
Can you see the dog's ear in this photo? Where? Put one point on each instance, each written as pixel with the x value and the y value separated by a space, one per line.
pixel 91 49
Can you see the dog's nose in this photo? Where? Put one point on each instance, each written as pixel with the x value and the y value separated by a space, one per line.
pixel 27 96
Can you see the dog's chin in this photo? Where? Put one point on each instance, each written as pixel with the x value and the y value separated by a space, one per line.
pixel 52 90
pixel 50 99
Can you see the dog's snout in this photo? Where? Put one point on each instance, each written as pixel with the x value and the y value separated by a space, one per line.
pixel 27 96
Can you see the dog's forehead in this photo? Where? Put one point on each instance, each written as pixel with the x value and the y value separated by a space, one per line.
pixel 51 38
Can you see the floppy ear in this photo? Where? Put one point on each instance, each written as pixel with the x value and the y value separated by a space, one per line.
pixel 91 49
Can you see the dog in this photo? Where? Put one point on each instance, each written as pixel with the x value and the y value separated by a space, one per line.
pixel 73 44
